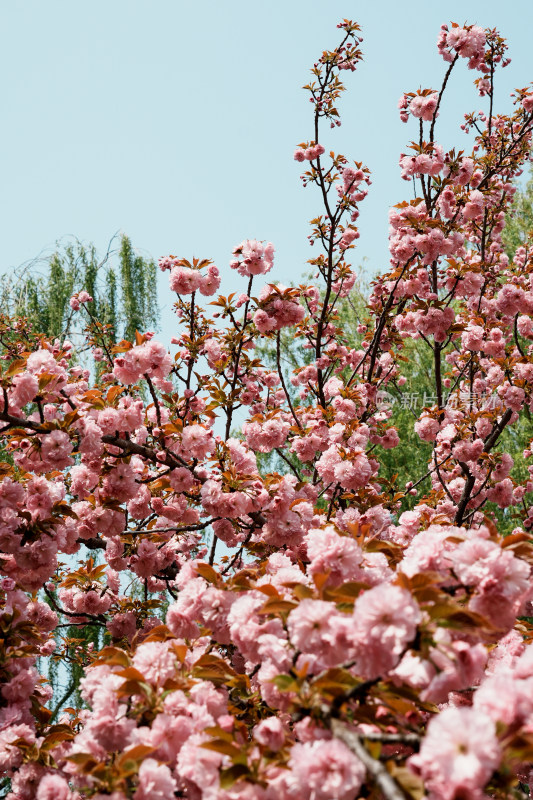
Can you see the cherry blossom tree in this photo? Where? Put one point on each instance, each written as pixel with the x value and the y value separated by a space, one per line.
pixel 296 633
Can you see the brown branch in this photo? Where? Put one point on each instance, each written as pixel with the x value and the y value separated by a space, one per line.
pixel 128 446
pixel 467 491
pixel 18 422
pixel 280 373
pixel 383 780
pixel 154 398
pixel 410 739
pixel 491 440
pixel 94 543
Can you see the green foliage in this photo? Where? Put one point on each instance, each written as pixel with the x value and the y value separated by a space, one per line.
pixel 519 223
pixel 409 460
pixel 123 285
pixel 138 290
pixel 66 672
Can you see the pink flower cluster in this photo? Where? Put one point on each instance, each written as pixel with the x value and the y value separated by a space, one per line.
pixel 468 42
pixel 434 322
pixel 458 755
pixel 253 258
pixel 424 106
pixel 79 299
pixel 278 307
pixel 150 358
pixel 426 163
pixel 184 280
pixel 266 436
pixel 308 153
pixel 412 234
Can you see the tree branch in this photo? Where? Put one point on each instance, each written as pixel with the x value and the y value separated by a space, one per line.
pixel 385 782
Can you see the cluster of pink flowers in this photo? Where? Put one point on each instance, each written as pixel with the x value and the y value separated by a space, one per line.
pixel 434 322
pixel 355 636
pixel 79 299
pixel 184 280
pixel 278 308
pixel 428 163
pixel 309 153
pixel 468 42
pixel 459 754
pixel 266 436
pixel 253 258
pixel 377 635
pixel 424 106
pixel 411 233
pixel 150 358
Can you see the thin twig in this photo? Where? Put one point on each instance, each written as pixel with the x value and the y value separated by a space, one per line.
pixel 383 780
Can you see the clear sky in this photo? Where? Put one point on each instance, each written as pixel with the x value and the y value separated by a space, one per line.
pixel 176 121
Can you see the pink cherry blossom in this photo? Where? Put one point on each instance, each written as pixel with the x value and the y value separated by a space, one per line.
pixel 325 769
pixel 253 257
pixel 458 754
pixel 155 782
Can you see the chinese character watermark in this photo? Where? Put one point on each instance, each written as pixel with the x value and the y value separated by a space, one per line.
pixel 413 401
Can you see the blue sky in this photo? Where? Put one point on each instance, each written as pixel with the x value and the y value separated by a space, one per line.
pixel 176 121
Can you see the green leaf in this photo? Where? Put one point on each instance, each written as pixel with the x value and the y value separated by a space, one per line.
pixel 230 776
pixel 285 683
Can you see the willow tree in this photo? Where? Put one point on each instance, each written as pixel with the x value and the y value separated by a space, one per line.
pixel 123 284
pixel 519 222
